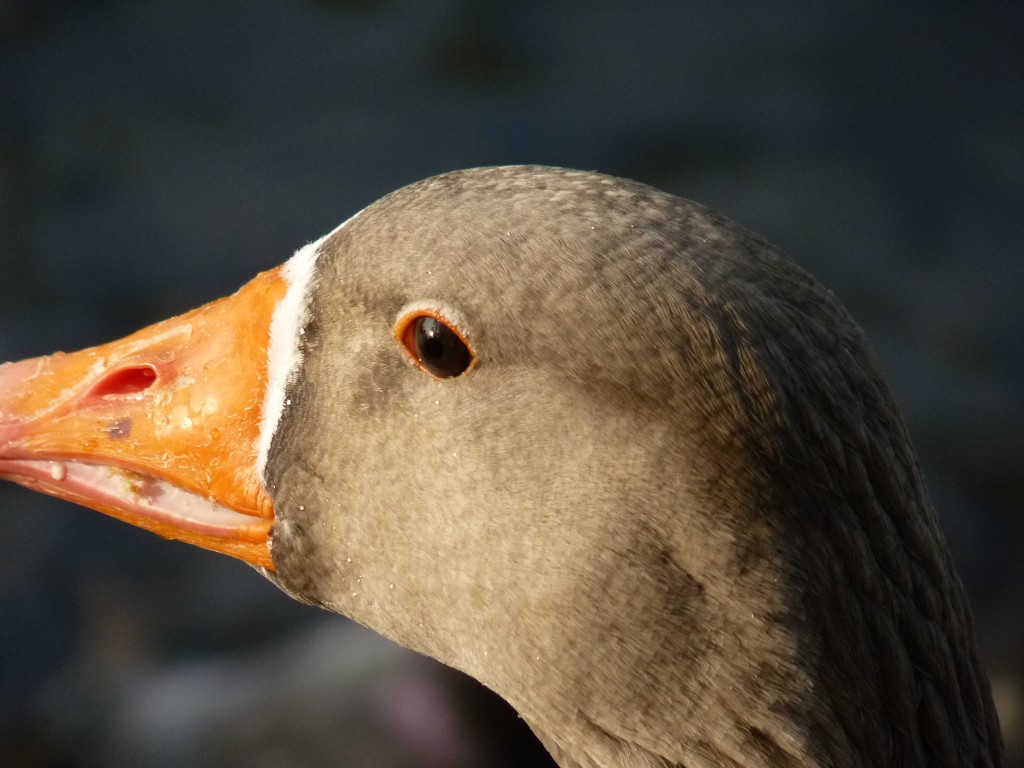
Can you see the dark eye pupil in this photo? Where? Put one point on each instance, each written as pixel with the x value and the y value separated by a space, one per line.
pixel 440 349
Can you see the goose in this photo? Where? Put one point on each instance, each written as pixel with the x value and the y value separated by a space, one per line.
pixel 595 445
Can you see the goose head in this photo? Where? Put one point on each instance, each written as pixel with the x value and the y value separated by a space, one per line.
pixel 595 445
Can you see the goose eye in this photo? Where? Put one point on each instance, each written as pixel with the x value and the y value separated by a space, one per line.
pixel 435 345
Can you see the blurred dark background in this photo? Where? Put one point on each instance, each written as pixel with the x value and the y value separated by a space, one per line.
pixel 154 156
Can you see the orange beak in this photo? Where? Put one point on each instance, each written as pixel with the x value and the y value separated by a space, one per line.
pixel 159 429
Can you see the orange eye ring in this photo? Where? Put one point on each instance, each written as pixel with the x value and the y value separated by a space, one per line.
pixel 435 344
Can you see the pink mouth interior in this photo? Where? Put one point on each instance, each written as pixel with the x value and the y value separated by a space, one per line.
pixel 139 494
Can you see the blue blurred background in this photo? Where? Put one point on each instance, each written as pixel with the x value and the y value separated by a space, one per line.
pixel 154 156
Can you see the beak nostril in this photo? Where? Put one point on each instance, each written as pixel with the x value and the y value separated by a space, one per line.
pixel 125 381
